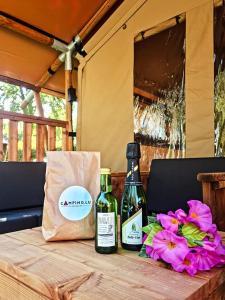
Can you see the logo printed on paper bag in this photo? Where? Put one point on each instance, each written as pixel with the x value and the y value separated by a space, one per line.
pixel 75 203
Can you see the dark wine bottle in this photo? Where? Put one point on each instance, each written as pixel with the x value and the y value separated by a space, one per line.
pixel 133 207
pixel 106 240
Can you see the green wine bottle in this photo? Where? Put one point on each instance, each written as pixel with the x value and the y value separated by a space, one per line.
pixel 133 207
pixel 106 240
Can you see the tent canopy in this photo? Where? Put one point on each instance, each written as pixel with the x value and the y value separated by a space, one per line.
pixel 26 60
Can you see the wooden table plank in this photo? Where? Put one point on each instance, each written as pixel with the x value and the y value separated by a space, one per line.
pixel 121 266
pixel 73 270
pixel 14 289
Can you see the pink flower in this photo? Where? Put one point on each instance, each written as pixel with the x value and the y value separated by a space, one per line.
pixel 200 215
pixel 216 247
pixel 152 253
pixel 148 250
pixel 205 260
pixel 213 229
pixel 220 248
pixel 170 247
pixel 180 215
pixel 209 246
pixel 168 222
pixel 187 242
pixel 189 264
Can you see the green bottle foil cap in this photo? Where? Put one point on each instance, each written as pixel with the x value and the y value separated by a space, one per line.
pixel 133 150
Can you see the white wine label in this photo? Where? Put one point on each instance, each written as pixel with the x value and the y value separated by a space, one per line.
pixel 75 203
pixel 106 229
pixel 132 229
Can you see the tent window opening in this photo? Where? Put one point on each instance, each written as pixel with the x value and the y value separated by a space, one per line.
pixel 159 104
pixel 219 80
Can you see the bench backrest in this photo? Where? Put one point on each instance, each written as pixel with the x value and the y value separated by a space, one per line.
pixel 172 182
pixel 21 184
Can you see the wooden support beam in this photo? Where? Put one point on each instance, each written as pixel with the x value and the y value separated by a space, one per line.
pixel 38 103
pixel 25 30
pixel 27 137
pixel 145 94
pixel 68 84
pixel 51 138
pixel 47 75
pixel 159 28
pixel 40 112
pixel 1 139
pixel 106 6
pixel 13 141
pixel 40 141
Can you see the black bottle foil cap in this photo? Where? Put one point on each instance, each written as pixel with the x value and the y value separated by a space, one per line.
pixel 133 150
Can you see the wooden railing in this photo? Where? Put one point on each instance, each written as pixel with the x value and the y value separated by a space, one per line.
pixel 45 135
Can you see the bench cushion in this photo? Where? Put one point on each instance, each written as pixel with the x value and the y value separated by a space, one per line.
pixel 21 185
pixel 20 219
pixel 172 182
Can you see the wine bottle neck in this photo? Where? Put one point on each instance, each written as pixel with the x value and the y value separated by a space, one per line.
pixel 133 172
pixel 105 183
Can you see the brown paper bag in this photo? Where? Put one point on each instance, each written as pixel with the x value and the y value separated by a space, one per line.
pixel 72 185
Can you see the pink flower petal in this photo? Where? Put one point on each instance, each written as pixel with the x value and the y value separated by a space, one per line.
pixel 170 247
pixel 168 222
pixel 188 264
pixel 206 259
pixel 200 214
pixel 213 229
pixel 181 216
pixel 209 246
pixel 152 253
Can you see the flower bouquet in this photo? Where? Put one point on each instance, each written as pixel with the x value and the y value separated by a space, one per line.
pixel 187 242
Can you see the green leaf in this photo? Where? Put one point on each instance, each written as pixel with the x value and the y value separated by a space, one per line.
pixel 142 252
pixel 192 234
pixel 147 229
pixel 151 230
pixel 152 219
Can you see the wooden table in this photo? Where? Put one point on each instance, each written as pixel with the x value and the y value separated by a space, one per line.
pixel 32 269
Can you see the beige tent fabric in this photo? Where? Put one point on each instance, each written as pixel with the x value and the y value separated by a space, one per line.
pixel 199 82
pixel 106 78
pixel 107 124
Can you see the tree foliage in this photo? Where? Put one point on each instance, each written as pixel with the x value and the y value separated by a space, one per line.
pixel 11 97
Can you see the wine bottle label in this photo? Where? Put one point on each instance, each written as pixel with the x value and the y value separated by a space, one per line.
pixel 132 229
pixel 106 229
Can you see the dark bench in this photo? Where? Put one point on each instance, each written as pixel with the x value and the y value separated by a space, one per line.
pixel 172 182
pixel 21 195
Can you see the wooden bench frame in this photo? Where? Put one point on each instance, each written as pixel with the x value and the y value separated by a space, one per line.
pixel 213 188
